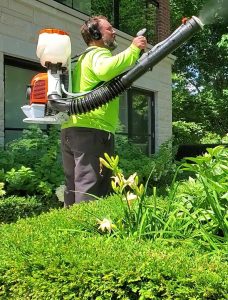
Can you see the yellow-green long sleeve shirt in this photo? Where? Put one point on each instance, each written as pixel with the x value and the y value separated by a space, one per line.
pixel 96 66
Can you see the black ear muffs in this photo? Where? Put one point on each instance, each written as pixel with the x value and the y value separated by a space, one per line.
pixel 94 31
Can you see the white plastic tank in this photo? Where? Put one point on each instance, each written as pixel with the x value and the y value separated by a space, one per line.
pixel 53 46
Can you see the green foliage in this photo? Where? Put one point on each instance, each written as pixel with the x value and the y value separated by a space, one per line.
pixel 13 208
pixel 31 165
pixel 2 192
pixel 63 254
pixel 129 192
pixel 132 160
pixel 225 139
pixel 24 181
pixel 212 174
pixel 49 257
pixel 28 149
pixel 20 180
pixel 200 76
pixel 194 133
pixel 146 217
pixel 187 132
pixel 133 15
pixel 223 43
pixel 211 138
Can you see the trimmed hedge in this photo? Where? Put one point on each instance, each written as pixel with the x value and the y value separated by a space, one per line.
pixel 52 256
pixel 13 208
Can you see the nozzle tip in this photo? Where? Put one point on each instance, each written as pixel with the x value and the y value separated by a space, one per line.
pixel 198 21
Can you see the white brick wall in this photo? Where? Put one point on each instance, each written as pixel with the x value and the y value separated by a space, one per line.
pixel 20 21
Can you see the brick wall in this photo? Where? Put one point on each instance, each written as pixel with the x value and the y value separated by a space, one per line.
pixel 163 20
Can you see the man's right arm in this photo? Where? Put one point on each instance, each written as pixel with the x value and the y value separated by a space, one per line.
pixel 105 66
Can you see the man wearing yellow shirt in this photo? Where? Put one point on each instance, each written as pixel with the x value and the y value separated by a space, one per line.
pixel 86 137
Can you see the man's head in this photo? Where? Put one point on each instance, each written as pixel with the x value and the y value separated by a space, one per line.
pixel 99 32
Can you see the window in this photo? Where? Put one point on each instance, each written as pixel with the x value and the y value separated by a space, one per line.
pixel 18 73
pixel 127 15
pixel 83 6
pixel 138 118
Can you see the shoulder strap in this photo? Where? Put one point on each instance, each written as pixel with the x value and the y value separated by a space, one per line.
pixel 75 58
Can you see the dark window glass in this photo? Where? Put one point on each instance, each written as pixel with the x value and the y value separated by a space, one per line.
pixel 141 119
pixel 18 74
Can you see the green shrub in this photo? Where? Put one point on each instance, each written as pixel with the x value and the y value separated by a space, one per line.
pixel 22 179
pixel 193 133
pixel 32 164
pixel 13 208
pixel 211 172
pixel 132 160
pixel 187 132
pixel 29 148
pixel 199 211
pixel 25 182
pixel 211 138
pixel 50 257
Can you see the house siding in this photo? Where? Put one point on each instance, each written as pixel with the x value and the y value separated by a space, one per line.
pixel 20 22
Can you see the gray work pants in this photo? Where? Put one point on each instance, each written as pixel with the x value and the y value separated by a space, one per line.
pixel 81 149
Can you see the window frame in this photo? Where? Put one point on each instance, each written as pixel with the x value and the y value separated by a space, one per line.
pixel 22 64
pixel 151 116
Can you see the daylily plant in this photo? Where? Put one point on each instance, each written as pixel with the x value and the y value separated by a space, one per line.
pixel 130 192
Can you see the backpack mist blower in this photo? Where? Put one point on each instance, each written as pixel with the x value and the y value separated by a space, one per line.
pixel 49 100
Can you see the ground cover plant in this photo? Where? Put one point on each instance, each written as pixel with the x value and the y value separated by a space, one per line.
pixel 128 246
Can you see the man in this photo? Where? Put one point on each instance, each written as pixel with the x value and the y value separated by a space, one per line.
pixel 87 137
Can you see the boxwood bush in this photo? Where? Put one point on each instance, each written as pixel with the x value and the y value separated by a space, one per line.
pixel 60 255
pixel 13 208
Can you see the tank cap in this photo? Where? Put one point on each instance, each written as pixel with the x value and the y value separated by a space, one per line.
pixel 53 30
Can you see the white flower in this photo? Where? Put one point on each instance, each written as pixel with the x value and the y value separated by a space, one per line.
pixel 60 192
pixel 105 225
pixel 130 197
pixel 132 180
pixel 2 192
